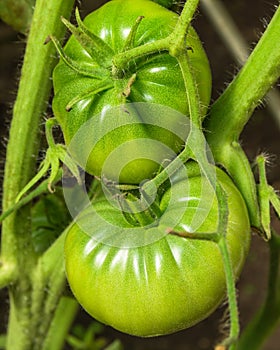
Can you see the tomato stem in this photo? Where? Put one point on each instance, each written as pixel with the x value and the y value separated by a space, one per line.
pixel 41 188
pixel 31 103
pixel 232 110
pixel 121 60
pixel 231 295
pixel 178 37
pixel 174 43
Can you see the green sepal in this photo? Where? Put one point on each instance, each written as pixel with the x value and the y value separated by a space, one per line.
pixel 92 72
pixel 99 86
pixel 49 217
pixel 267 196
pixel 95 46
pixel 275 201
pixel 129 44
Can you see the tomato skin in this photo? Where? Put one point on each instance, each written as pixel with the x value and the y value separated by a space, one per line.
pixel 162 287
pixel 158 81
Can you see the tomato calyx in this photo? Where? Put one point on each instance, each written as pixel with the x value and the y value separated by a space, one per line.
pixel 137 207
pixel 95 46
pixel 121 72
pixel 104 73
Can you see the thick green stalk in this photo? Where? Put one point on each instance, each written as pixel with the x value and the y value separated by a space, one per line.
pixel 8 274
pixel 67 310
pixel 31 102
pixel 232 110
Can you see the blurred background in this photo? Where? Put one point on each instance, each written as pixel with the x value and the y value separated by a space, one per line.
pixel 262 134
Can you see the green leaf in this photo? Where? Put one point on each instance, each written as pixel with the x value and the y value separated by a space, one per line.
pixel 95 71
pixel 94 45
pixel 49 218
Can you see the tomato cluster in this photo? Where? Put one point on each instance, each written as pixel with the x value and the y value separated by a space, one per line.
pixel 168 281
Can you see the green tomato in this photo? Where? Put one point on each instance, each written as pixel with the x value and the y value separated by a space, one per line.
pixel 164 286
pixel 155 80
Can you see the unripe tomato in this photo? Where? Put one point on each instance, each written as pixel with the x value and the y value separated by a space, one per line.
pixel 155 79
pixel 167 285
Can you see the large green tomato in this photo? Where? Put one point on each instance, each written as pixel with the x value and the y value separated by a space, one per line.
pixel 155 79
pixel 163 286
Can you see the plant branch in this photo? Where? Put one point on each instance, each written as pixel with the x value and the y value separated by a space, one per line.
pixel 174 42
pixel 40 189
pixel 231 295
pixel 231 340
pixel 66 310
pixel 178 36
pixel 31 102
pixel 232 110
pixel 233 39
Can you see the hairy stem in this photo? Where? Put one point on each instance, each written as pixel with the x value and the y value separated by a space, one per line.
pixel 31 102
pixel 231 295
pixel 229 32
pixel 232 110
pixel 42 188
pixel 174 43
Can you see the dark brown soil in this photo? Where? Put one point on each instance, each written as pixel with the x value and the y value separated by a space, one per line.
pixel 261 134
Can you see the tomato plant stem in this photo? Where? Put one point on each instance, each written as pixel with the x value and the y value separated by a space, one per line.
pixel 174 43
pixel 42 188
pixel 232 110
pixel 67 310
pixel 231 295
pixel 229 273
pixel 181 29
pixel 31 102
pixel 8 273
